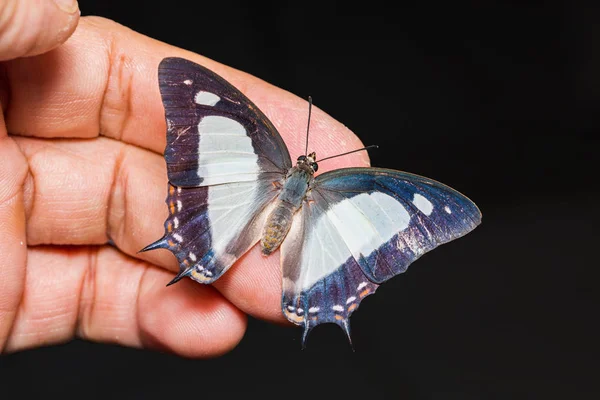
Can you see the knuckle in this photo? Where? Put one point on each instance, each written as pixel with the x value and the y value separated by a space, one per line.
pixel 87 297
pixel 13 169
pixel 116 107
pixel 116 214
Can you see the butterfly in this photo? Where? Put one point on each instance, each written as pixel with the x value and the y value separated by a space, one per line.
pixel 232 185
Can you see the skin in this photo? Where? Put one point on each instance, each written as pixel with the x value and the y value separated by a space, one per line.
pixel 82 133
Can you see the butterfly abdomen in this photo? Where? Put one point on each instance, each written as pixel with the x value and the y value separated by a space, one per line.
pixel 289 201
pixel 277 226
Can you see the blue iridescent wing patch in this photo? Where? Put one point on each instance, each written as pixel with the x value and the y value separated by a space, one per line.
pixel 358 228
pixel 222 156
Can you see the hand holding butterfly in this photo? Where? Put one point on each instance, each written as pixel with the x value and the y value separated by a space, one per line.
pixel 82 189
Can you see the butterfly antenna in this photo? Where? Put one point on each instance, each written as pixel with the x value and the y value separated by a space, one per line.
pixel 308 124
pixel 373 146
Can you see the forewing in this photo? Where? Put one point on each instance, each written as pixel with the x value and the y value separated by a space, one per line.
pixel 215 134
pixel 358 228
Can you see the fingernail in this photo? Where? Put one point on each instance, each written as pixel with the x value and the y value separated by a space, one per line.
pixel 68 6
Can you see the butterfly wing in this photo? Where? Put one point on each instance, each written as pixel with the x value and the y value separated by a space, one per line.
pixel 215 134
pixel 358 228
pixel 223 159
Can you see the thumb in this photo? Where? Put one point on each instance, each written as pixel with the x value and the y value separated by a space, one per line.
pixel 31 27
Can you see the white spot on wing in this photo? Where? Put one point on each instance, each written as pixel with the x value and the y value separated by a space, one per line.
pixel 361 285
pixel 447 209
pixel 230 208
pixel 350 300
pixel 192 257
pixel 188 82
pixel 206 98
pixel 177 237
pixel 179 205
pixel 422 204
pixel 226 155
pixel 367 221
pixel 313 310
pixel 176 222
pixel 337 308
pixel 218 125
pixel 225 152
pixel 350 228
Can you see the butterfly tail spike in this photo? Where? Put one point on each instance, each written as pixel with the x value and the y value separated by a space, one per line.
pixel 307 329
pixel 180 276
pixel 159 244
pixel 345 325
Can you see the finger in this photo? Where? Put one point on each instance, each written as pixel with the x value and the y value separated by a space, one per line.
pixel 75 196
pixel 103 80
pixel 31 27
pixel 89 191
pixel 99 294
pixel 72 196
pixel 13 169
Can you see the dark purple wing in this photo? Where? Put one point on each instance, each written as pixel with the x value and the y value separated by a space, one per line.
pixel 224 160
pixel 358 228
pixel 215 134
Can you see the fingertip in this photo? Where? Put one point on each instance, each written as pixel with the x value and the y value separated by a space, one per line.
pixel 327 136
pixel 188 319
pixel 338 140
pixel 253 284
pixel 68 6
pixel 32 27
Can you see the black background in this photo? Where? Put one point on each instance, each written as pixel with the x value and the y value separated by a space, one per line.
pixel 500 102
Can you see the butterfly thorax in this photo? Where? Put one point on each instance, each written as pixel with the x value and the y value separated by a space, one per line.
pixel 289 201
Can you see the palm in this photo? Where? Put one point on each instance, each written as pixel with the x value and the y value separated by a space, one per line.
pixel 83 169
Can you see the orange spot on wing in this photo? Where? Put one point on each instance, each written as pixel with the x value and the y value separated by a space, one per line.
pixel 198 277
pixel 353 306
pixel 169 227
pixel 339 317
pixel 364 293
pixel 186 262
pixel 172 207
pixel 293 316
pixel 171 190
pixel 171 243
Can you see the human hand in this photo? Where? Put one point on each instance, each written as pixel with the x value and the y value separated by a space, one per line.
pixel 83 183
